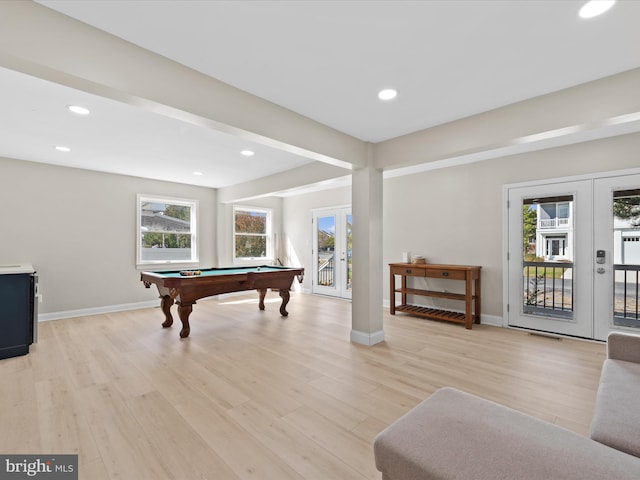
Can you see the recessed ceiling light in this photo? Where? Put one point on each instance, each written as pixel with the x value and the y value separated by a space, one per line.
pixel 594 8
pixel 247 153
pixel 78 109
pixel 387 94
pixel 198 173
pixel 62 148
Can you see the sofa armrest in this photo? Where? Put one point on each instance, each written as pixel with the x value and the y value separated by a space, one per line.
pixel 623 346
pixel 457 436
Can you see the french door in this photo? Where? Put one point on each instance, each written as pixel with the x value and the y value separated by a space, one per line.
pixel 332 255
pixel 573 259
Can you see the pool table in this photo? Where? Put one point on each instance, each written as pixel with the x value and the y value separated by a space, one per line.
pixel 185 287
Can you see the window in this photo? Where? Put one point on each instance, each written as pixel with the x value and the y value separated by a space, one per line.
pixel 563 210
pixel 251 234
pixel 166 230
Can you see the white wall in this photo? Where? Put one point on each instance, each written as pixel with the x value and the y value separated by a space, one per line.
pixel 78 228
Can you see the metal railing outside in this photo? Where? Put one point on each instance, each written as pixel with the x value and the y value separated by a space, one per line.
pixel 325 271
pixel 548 289
pixel 553 222
pixel 625 295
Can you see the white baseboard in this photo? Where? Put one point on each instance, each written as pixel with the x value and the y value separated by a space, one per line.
pixel 367 339
pixel 356 336
pixel 45 317
pixel 83 312
pixel 493 320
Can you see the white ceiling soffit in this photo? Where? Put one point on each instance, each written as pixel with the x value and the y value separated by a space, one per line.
pixel 612 127
pixel 123 139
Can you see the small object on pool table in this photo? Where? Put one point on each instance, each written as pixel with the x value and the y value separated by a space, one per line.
pixel 190 273
pixel 258 268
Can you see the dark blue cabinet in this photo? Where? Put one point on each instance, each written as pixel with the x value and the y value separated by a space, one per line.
pixel 16 313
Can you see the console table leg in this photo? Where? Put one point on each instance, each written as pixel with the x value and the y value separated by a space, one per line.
pixel 392 294
pixel 477 300
pixel 468 319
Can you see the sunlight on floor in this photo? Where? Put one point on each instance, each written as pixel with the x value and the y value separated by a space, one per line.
pixel 250 301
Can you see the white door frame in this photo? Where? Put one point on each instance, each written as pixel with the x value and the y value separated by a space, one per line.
pixel 579 321
pixel 340 288
pixel 600 238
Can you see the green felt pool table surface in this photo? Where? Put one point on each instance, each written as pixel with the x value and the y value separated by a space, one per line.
pixel 222 271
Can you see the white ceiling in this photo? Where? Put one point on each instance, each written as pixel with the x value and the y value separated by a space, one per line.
pixel 323 59
pixel 120 138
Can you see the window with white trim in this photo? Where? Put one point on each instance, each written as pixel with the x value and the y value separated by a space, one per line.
pixel 252 234
pixel 167 230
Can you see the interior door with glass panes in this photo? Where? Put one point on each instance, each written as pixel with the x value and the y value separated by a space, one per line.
pixel 549 258
pixel 617 255
pixel 332 252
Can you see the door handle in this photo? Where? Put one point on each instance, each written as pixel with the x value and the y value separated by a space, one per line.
pixel 600 270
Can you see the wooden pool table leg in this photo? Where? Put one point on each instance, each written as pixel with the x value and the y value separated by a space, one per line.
pixel 184 311
pixel 165 304
pixel 285 299
pixel 263 293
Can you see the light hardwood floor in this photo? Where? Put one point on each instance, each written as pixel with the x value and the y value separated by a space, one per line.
pixel 251 395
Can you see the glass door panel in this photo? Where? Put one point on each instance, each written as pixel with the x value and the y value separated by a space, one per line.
pixel 326 257
pixel 348 256
pixel 626 255
pixel 547 257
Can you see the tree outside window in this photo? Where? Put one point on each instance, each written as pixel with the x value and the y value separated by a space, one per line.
pixel 252 233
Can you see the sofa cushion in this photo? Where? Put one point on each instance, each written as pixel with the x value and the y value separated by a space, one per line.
pixel 616 421
pixel 454 435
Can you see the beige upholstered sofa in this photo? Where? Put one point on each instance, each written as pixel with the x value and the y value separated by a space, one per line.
pixel 454 435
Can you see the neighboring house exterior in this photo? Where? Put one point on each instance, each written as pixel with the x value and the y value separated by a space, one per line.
pixel 158 222
pixel 163 237
pixel 554 232
pixel 626 242
pixel 554 235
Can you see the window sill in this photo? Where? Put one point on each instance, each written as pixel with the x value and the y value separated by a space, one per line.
pixel 252 262
pixel 167 265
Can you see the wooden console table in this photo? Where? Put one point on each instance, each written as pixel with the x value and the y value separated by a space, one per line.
pixel 469 274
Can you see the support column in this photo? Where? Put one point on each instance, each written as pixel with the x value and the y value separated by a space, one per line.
pixel 366 308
